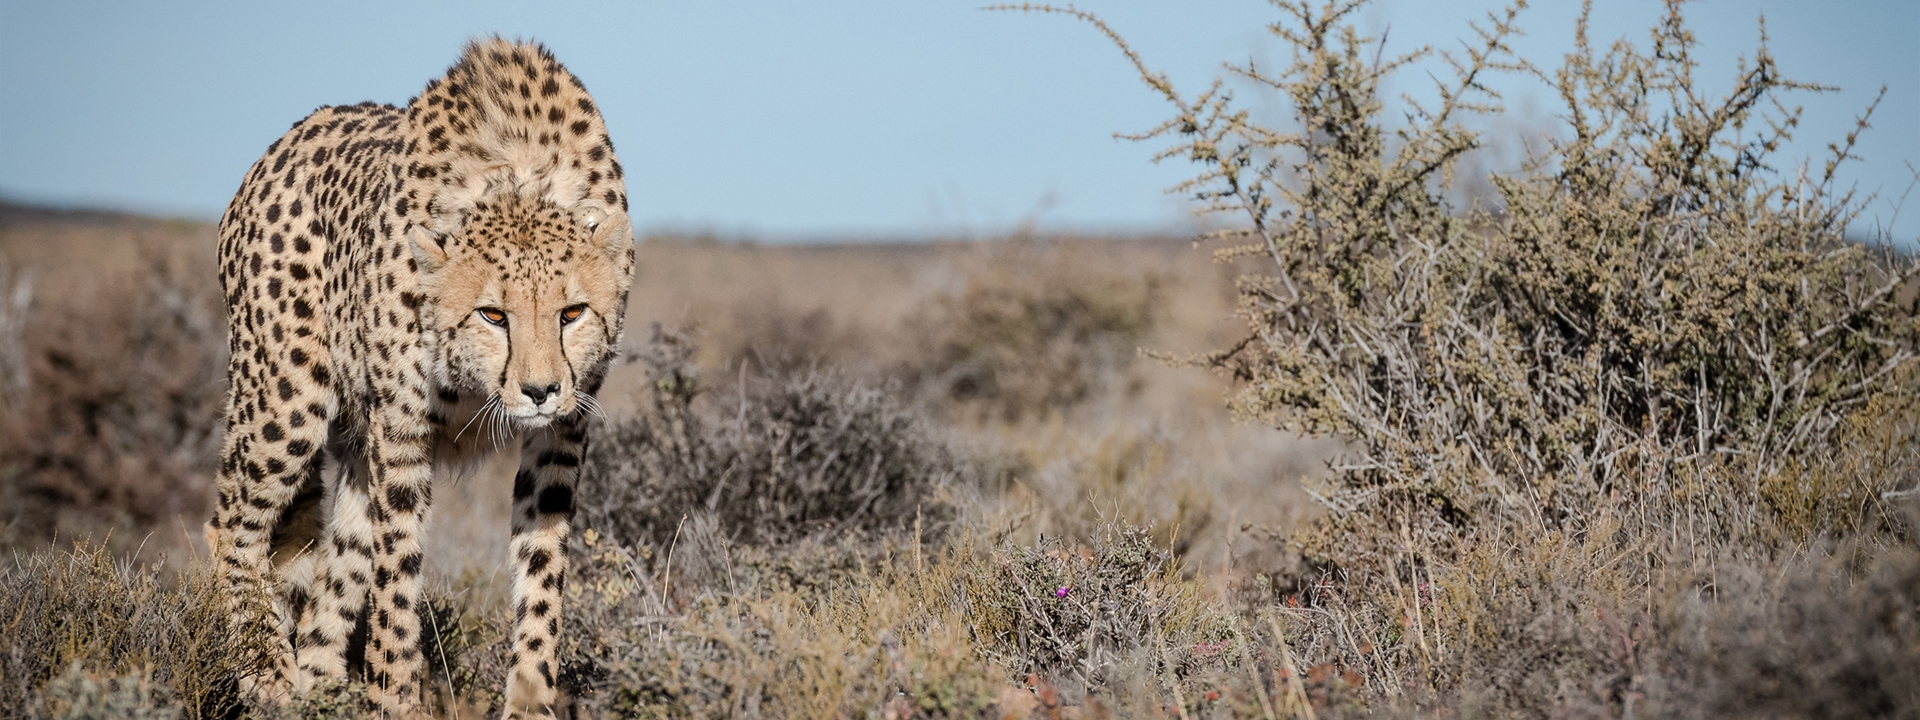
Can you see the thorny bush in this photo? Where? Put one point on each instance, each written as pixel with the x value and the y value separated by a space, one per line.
pixel 1651 359
pixel 1650 305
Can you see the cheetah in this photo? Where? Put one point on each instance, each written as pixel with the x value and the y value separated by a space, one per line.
pixel 408 289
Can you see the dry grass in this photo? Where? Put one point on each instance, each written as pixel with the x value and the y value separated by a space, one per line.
pixel 83 629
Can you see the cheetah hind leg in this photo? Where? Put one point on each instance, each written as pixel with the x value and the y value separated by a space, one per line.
pixel 291 560
pixel 340 582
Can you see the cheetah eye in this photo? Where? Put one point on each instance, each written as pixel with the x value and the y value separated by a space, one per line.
pixel 571 314
pixel 590 216
pixel 493 316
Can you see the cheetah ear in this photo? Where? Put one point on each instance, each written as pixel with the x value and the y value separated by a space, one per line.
pixel 611 231
pixel 429 251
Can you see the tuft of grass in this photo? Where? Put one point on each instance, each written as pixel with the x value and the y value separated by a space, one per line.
pixel 83 630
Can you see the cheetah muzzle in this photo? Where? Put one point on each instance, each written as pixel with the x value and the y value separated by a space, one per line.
pixel 407 290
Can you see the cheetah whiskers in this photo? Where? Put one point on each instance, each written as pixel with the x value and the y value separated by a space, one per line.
pixel 589 403
pixel 499 423
pixel 476 416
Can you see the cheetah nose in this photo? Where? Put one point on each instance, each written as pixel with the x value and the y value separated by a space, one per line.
pixel 539 394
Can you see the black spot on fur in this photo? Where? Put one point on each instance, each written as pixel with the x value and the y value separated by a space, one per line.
pixel 402 499
pixel 556 499
pixel 559 457
pixel 538 562
pixel 522 484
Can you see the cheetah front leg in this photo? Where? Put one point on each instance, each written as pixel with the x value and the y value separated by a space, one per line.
pixel 542 519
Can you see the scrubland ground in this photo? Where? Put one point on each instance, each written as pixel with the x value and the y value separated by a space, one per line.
pixel 822 432
pixel 1632 436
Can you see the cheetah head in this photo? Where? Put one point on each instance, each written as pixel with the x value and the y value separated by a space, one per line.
pixel 526 300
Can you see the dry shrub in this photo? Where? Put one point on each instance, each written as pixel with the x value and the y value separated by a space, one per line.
pixel 109 633
pixel 1658 362
pixel 119 423
pixel 1598 630
pixel 789 457
pixel 1653 305
pixel 1033 329
pixel 1074 614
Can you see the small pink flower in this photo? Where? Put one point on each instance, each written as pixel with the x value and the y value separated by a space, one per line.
pixel 1062 592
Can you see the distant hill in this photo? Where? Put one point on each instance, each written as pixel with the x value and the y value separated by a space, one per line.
pixel 63 245
pixel 15 214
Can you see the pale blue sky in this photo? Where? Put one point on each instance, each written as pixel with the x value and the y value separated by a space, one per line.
pixel 780 120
